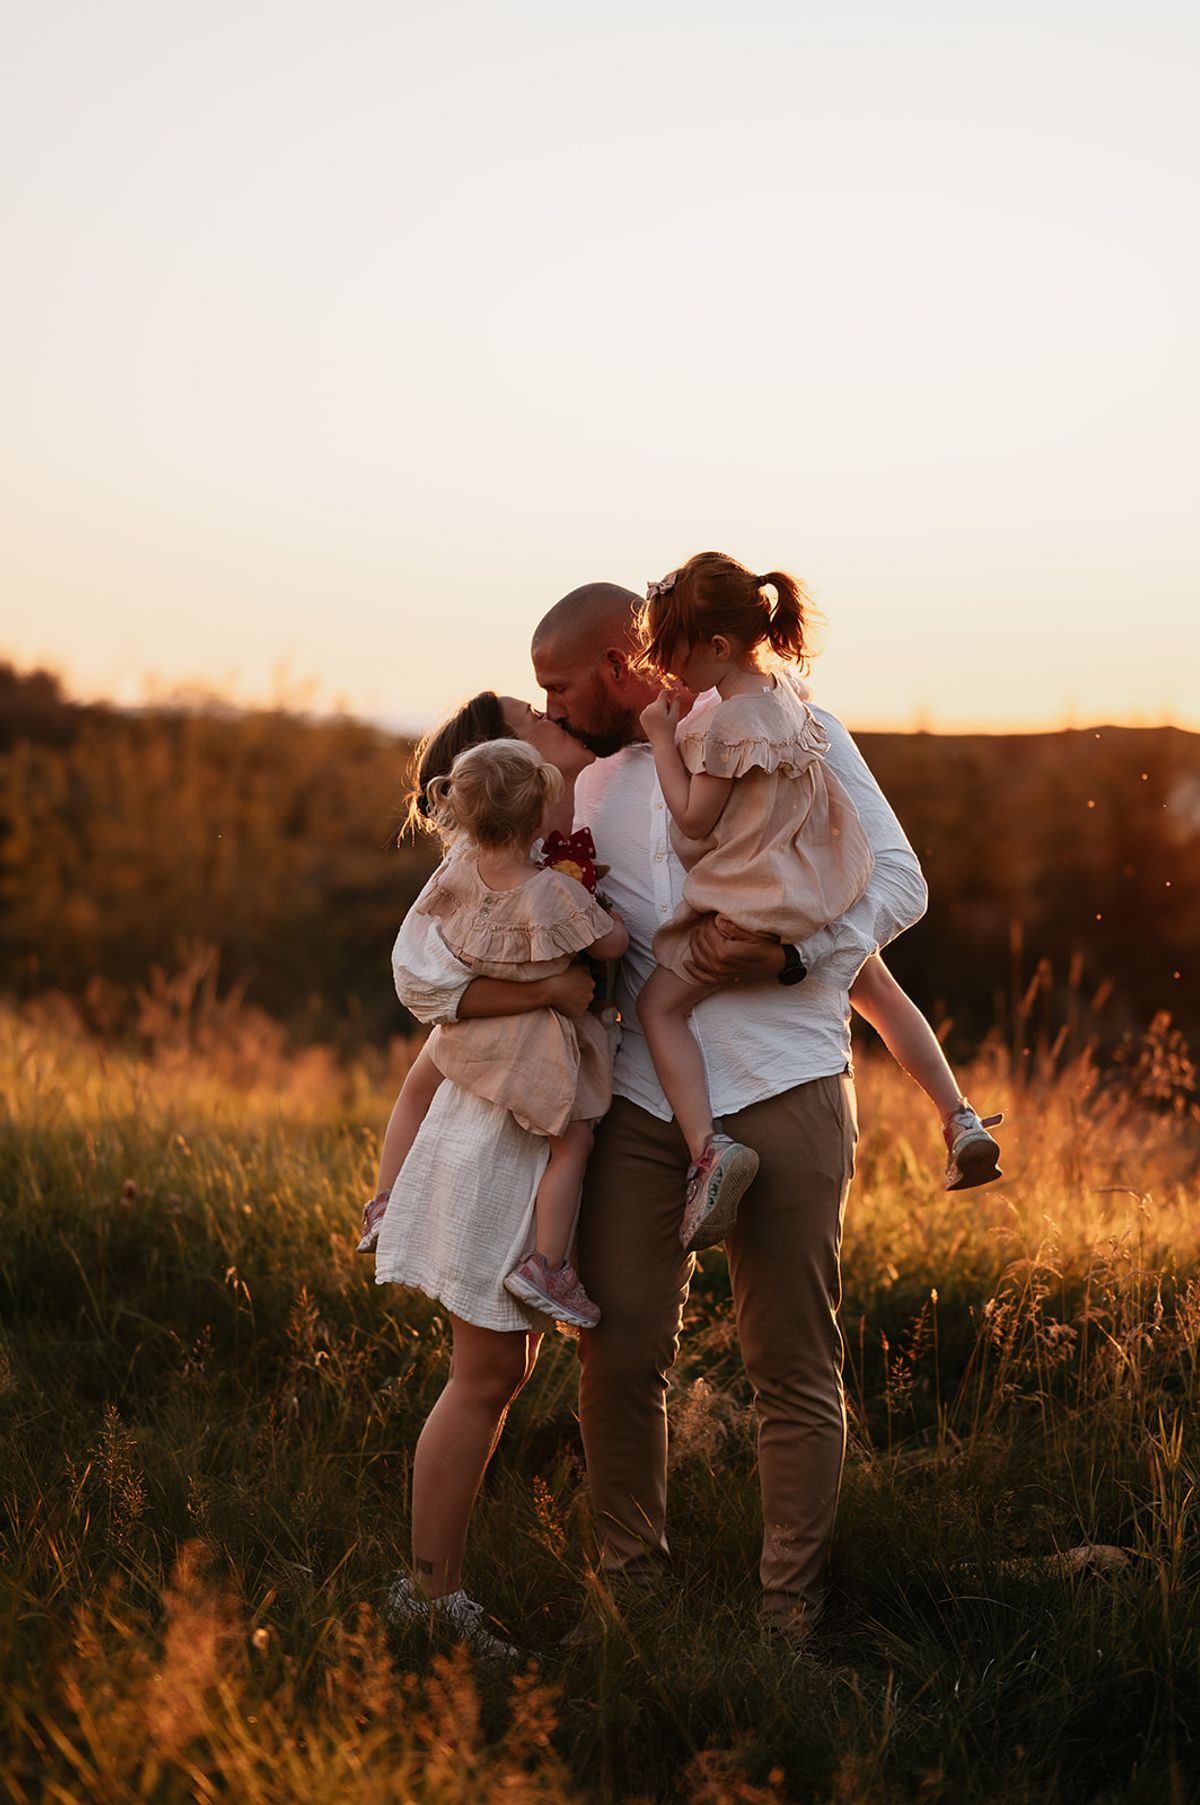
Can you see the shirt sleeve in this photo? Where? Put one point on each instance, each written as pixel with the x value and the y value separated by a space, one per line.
pixel 429 980
pixel 896 894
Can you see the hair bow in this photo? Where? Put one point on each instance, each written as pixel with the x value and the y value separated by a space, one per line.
pixel 574 857
pixel 654 590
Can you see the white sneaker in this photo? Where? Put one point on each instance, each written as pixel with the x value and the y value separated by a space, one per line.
pixel 973 1157
pixel 406 1605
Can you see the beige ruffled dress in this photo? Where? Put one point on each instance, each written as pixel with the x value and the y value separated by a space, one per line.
pixel 788 854
pixel 544 1068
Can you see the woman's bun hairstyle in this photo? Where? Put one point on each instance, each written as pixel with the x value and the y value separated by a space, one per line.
pixel 482 718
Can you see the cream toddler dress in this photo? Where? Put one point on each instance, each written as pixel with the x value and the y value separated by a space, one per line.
pixel 788 854
pixel 544 1068
pixel 461 1213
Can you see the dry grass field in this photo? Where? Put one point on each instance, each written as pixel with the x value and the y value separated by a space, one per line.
pixel 207 1410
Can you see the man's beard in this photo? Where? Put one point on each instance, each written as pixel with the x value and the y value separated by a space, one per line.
pixel 612 724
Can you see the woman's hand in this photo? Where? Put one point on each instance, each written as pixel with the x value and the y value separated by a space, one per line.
pixel 663 716
pixel 570 992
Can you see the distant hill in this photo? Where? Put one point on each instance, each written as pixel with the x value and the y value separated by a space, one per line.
pixel 128 835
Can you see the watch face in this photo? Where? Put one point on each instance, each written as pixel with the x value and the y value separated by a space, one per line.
pixel 794 967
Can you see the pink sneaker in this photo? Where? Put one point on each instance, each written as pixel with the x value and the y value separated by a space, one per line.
pixel 558 1294
pixel 715 1185
pixel 374 1211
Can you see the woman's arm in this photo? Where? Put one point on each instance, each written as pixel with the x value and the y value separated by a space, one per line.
pixel 570 993
pixel 612 944
pixel 436 987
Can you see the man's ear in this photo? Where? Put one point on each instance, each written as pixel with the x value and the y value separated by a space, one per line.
pixel 617 663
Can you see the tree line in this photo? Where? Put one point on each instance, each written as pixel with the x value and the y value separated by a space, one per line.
pixel 1060 865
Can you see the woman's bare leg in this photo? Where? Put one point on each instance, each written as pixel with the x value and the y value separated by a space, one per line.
pixel 906 1034
pixel 558 1194
pixel 487 1370
pixel 663 1009
pixel 408 1112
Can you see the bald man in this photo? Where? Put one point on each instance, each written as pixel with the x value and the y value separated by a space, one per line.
pixel 776 1046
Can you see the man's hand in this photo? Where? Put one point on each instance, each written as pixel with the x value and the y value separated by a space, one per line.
pixel 663 716
pixel 723 953
pixel 571 991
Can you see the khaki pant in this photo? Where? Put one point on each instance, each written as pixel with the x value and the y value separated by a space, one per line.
pixel 783 1266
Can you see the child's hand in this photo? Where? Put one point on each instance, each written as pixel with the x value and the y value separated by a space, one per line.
pixel 663 716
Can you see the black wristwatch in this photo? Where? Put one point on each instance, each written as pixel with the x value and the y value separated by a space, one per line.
pixel 794 968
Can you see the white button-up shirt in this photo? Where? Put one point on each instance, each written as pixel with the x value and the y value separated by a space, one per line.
pixel 757 1040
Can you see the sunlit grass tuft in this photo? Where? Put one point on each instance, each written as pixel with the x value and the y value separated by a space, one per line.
pixel 207 1409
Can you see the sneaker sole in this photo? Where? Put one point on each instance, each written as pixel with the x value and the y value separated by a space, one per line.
pixel 976 1163
pixel 538 1300
pixel 733 1181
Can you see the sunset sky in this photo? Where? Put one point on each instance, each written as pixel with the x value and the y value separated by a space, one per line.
pixel 339 341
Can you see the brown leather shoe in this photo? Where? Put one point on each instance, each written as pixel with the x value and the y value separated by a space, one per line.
pixel 788 1623
pixel 612 1597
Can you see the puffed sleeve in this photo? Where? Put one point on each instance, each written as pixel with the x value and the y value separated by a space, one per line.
pixel 769 732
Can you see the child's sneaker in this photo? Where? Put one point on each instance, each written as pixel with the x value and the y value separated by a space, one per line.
pixel 973 1157
pixel 715 1184
pixel 406 1604
pixel 374 1211
pixel 558 1294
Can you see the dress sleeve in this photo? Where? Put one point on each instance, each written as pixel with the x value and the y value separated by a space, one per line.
pixel 551 917
pixel 429 980
pixel 751 733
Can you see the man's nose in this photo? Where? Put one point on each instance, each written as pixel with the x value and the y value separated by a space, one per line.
pixel 555 710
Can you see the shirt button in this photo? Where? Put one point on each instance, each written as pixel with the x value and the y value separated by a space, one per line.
pixel 660 858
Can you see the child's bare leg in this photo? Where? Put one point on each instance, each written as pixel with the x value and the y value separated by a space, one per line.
pixel 663 1009
pixel 558 1193
pixel 906 1034
pixel 408 1112
pixel 973 1154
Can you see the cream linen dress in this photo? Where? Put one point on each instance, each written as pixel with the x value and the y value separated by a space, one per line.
pixel 789 854
pixel 461 1213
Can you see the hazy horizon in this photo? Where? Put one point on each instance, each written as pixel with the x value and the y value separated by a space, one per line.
pixel 337 347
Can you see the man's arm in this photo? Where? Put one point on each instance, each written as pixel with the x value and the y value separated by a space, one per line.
pixel 895 896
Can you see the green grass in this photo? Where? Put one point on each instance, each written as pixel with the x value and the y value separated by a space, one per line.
pixel 207 1409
